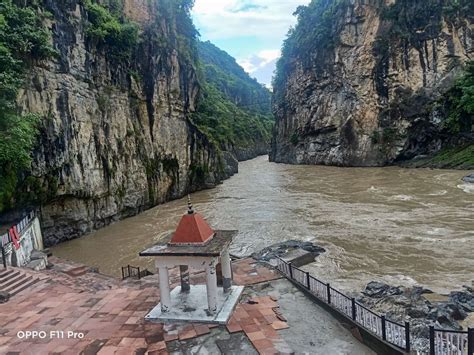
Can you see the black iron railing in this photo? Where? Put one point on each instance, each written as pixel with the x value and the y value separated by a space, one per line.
pixel 442 342
pixel 133 272
pixel 451 342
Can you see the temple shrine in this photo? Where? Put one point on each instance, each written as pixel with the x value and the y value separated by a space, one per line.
pixel 195 245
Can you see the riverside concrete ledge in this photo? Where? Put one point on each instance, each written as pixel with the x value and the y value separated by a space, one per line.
pixel 363 335
pixel 192 306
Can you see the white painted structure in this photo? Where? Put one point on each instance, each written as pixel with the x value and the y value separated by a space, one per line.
pixel 194 245
pixel 30 239
pixel 163 264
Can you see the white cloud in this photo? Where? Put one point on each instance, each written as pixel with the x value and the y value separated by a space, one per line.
pixel 221 19
pixel 251 30
pixel 258 61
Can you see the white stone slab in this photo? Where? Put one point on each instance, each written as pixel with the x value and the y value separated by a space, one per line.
pixel 192 306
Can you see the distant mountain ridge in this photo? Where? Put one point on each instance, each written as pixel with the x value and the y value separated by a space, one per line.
pixel 233 108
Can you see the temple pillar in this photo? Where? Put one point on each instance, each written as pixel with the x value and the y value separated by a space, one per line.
pixel 165 298
pixel 184 271
pixel 211 287
pixel 226 270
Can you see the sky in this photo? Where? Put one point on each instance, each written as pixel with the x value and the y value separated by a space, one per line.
pixel 252 31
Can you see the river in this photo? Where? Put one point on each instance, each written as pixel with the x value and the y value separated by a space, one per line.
pixel 402 226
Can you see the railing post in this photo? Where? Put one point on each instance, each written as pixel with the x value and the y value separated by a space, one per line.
pixel 432 340
pixel 307 281
pixel 329 293
pixel 139 272
pixel 384 328
pixel 407 337
pixel 291 270
pixel 4 258
pixel 470 341
pixel 123 277
pixel 354 309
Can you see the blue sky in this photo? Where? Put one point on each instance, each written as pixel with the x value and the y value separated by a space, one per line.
pixel 252 31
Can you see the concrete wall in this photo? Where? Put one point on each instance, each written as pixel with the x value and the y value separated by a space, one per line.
pixel 31 239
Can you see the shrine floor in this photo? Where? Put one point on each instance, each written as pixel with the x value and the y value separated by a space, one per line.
pixel 75 310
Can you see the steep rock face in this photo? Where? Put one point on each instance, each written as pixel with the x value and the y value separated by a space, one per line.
pixel 117 136
pixel 368 99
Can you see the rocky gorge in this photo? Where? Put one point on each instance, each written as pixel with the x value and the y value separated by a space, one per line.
pixel 116 134
pixel 370 83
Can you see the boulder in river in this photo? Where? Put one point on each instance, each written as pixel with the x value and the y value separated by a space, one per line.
pixel 463 298
pixel 379 289
pixel 298 252
pixel 469 178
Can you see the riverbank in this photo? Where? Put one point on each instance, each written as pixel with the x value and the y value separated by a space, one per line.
pixel 461 158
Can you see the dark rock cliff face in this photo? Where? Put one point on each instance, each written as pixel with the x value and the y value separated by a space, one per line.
pixel 369 99
pixel 116 138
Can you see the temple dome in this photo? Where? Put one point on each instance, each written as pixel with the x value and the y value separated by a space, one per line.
pixel 192 229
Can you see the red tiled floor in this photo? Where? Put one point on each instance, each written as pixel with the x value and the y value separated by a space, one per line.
pixel 257 318
pixel 111 313
pixel 234 327
pixel 279 325
pixel 201 329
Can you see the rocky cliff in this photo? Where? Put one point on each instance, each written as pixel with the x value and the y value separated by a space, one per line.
pixel 116 135
pixel 362 82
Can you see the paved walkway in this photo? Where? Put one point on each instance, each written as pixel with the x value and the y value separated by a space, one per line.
pixel 106 316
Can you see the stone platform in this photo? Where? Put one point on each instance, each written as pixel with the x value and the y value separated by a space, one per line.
pixel 272 317
pixel 192 306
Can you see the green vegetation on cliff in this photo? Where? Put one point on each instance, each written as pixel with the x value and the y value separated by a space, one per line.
pixel 23 40
pixel 314 34
pixel 461 157
pixel 233 109
pixel 108 28
pixel 459 103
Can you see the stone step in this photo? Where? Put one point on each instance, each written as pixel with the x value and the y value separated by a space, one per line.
pixel 20 282
pixel 4 273
pixel 31 282
pixel 14 277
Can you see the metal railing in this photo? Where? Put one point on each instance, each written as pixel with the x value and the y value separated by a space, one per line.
pixel 395 333
pixel 451 342
pixel 442 342
pixel 133 272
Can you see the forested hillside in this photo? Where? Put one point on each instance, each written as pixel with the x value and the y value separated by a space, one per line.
pixel 233 108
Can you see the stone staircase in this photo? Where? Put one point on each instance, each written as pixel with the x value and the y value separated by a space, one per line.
pixel 15 280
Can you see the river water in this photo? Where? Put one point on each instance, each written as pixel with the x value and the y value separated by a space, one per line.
pixel 403 226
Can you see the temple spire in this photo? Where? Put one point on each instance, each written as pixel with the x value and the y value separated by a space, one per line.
pixel 190 205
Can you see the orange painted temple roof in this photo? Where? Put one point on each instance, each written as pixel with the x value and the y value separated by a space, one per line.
pixel 192 229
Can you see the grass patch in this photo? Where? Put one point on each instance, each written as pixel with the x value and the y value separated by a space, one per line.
pixel 449 158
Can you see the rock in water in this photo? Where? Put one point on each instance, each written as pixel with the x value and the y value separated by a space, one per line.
pixel 463 298
pixel 288 248
pixel 469 178
pixel 379 289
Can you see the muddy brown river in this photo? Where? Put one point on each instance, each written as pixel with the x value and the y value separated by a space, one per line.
pixel 402 226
